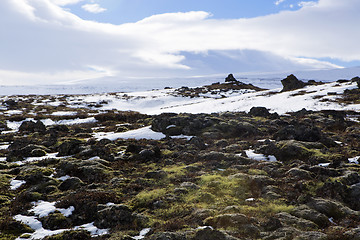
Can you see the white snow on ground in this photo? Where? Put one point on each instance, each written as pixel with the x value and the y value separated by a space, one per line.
pixel 63 113
pixel 159 101
pixel 48 122
pixel 92 229
pixel 43 208
pixel 31 221
pixel 354 160
pixel 259 157
pixel 5 146
pixel 141 133
pixel 15 184
pixel 276 101
pixel 16 125
pixel 13 112
pixel 142 234
pixel 33 159
pixel 182 136
pixel 63 178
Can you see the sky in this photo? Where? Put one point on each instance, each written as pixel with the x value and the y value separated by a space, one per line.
pixel 68 41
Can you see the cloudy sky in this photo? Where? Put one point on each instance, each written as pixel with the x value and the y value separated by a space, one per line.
pixel 54 41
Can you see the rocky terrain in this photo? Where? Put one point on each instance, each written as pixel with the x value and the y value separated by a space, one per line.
pixel 71 168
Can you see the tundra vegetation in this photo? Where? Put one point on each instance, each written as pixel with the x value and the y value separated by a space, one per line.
pixel 232 175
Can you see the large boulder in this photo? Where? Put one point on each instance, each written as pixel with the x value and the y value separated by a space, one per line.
pixel 86 170
pixel 228 220
pixel 241 222
pixel 298 132
pixel 55 221
pixel 310 214
pixel 354 196
pixel 259 112
pixel 69 147
pixel 71 183
pixel 120 216
pixel 332 208
pixel 208 233
pixel 291 149
pixel 299 223
pixel 177 124
pixel 31 127
pixel 291 83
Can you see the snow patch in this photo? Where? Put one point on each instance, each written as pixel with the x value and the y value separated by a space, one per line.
pixel 141 133
pixel 43 209
pixel 142 234
pixel 354 160
pixel 63 178
pixel 15 184
pixel 92 229
pixel 5 146
pixel 63 113
pixel 259 157
pixel 33 159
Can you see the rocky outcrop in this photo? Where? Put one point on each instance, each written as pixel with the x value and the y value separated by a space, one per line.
pixel 291 83
pixel 119 216
pixel 31 127
pixel 230 78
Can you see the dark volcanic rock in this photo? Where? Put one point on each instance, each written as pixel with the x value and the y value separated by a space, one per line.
pixel 168 236
pixel 305 212
pixel 31 126
pixel 331 208
pixel 259 112
pixel 211 234
pixel 86 170
pixel 72 183
pixel 176 124
pixel 230 78
pixel 55 221
pixel 291 83
pixel 119 216
pixel 357 80
pixel 298 132
pixel 69 147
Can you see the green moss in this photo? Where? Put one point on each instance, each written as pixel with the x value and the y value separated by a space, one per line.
pixel 146 198
pixel 175 171
pixel 253 171
pixel 26 235
pixel 5 182
pixel 176 210
pixel 266 208
pixel 5 200
pixel 36 170
pixel 313 186
pixel 5 236
pixel 166 153
pixel 219 191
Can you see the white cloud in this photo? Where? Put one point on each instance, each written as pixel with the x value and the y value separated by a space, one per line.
pixel 93 8
pixel 44 42
pixel 279 1
pixel 307 4
pixel 65 2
